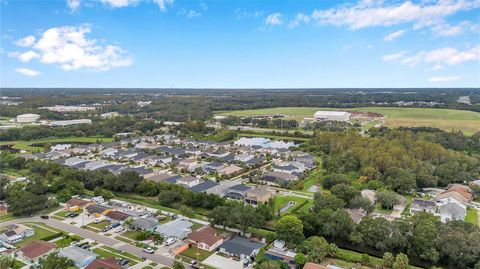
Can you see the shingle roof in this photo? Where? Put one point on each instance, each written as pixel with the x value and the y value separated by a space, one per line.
pixel 206 235
pixel 240 187
pixel 117 215
pixel 96 209
pixel 107 263
pixel 37 248
pixel 241 245
pixel 208 184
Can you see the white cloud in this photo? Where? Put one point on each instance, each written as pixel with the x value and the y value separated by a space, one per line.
pixel 69 48
pixel 443 79
pixel 27 41
pixel 393 57
pixel 192 14
pixel 393 35
pixel 274 19
pixel 162 4
pixel 299 18
pixel 24 57
pixel 439 57
pixel 27 72
pixel 73 5
pixel 119 3
pixel 375 13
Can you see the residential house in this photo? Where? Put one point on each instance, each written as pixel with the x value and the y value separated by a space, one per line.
pixel 73 161
pixel 278 178
pixel 107 263
pixel 80 257
pixel 188 181
pixel 238 192
pixel 356 214
pixel 144 224
pixel 157 177
pixel 34 250
pixel 419 205
pixel 255 162
pixel 229 170
pixel 243 157
pixel 95 165
pixel 15 233
pixel 116 216
pixel 204 186
pixel 98 199
pixel 258 195
pixel 60 147
pixel 212 167
pixel 178 228
pixel 76 204
pixel 241 247
pixel 452 209
pixel 97 210
pixel 205 238
pixel 279 251
pixel 108 152
pixel 158 160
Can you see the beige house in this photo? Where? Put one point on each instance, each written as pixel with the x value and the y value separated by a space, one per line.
pixel 229 170
pixel 258 195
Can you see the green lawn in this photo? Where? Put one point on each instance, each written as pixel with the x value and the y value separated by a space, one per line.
pixel 26 145
pixel 18 264
pixel 6 217
pixel 472 216
pixel 448 119
pixel 126 254
pixel 281 201
pixel 191 252
pixel 131 234
pixel 99 225
pixel 104 253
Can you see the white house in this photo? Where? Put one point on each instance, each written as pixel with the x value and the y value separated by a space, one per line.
pixel 60 147
pixel 95 165
pixel 452 211
pixel 331 116
pixel 188 181
pixel 16 233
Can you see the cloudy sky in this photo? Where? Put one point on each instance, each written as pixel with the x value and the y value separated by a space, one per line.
pixel 238 44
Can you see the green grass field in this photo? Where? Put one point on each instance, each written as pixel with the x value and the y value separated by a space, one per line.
pixel 39 234
pixel 472 216
pixel 281 201
pixel 26 145
pixel 447 119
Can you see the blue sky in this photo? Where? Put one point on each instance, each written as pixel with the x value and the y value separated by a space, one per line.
pixel 240 44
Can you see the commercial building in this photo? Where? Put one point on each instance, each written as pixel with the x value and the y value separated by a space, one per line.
pixel 331 116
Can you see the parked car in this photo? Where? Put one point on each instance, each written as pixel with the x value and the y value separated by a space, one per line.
pixel 170 241
pixel 115 225
pixel 119 229
pixel 123 262
pixel 85 246
pixel 44 217
pixel 106 228
pixel 149 250
pixel 97 221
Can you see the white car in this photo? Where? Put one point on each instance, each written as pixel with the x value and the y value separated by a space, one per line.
pixel 149 250
pixel 170 241
pixel 96 221
pixel 119 229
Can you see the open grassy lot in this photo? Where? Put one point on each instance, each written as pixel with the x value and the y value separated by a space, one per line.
pixel 448 119
pixel 131 234
pixel 99 225
pixel 472 216
pixel 26 145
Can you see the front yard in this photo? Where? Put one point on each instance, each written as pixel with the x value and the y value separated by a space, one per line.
pixel 40 233
pixel 191 252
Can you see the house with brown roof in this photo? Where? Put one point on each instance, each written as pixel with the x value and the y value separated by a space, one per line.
pixel 76 204
pixel 229 170
pixel 116 216
pixel 463 190
pixel 205 238
pixel 107 263
pixel 258 195
pixel 35 250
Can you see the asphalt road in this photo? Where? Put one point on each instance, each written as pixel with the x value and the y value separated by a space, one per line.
pixel 111 242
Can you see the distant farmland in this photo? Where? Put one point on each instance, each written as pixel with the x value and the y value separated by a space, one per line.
pixel 447 119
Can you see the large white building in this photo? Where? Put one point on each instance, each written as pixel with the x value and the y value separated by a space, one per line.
pixel 331 116
pixel 26 118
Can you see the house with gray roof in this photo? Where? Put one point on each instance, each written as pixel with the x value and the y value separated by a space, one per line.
pixel 241 247
pixel 145 224
pixel 238 192
pixel 80 257
pixel 178 229
pixel 419 205
pixel 204 186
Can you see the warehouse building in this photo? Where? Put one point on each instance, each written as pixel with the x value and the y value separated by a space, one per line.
pixel 332 116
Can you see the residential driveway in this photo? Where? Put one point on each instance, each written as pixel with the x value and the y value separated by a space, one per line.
pixel 111 242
